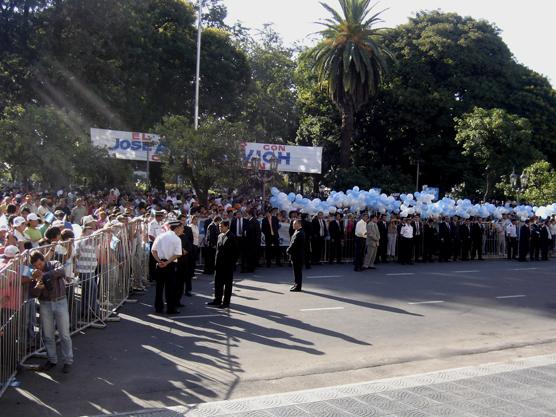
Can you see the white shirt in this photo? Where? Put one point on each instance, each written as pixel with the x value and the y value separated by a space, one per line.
pixel 195 230
pixel 167 244
pixel 511 230
pixel 407 231
pixel 155 229
pixel 361 228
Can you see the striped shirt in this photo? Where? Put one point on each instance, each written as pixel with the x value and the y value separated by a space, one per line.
pixel 86 257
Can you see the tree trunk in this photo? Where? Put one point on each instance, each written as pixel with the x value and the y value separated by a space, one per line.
pixel 487 187
pixel 347 135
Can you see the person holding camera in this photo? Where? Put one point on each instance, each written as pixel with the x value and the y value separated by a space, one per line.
pixel 50 288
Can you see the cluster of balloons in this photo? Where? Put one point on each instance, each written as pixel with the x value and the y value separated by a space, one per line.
pixel 423 203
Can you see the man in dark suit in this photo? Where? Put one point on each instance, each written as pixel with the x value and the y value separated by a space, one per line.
pixel 226 258
pixel 465 238
pixel 270 226
pixel 455 238
pixel 238 227
pixel 296 250
pixel 534 251
pixel 185 270
pixel 336 231
pixel 545 240
pixel 444 239
pixel 211 239
pixel 429 240
pixel 524 238
pixel 418 236
pixel 252 242
pixel 318 237
pixel 307 230
pixel 476 235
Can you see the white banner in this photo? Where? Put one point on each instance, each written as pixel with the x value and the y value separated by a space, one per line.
pixel 306 159
pixel 128 145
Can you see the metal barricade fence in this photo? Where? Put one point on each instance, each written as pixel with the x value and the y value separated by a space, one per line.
pixel 94 292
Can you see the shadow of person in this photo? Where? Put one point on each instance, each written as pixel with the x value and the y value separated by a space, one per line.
pixel 363 304
pixel 286 320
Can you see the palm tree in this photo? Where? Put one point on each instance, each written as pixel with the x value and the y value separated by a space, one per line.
pixel 350 62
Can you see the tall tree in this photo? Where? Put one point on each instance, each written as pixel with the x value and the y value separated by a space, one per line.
pixel 206 158
pixel 499 141
pixel 351 61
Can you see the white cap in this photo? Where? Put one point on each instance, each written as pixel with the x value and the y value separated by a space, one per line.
pixel 11 251
pixel 4 228
pixel 87 220
pixel 18 221
pixel 58 223
pixel 32 216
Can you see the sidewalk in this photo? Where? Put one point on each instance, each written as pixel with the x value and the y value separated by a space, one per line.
pixel 521 388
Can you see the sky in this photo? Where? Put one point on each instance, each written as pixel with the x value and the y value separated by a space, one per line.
pixel 527 27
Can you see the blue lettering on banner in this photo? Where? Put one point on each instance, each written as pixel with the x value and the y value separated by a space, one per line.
pixel 284 158
pixel 135 145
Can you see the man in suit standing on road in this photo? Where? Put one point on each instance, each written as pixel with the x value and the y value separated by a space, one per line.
pixel 226 258
pixel 336 231
pixel 296 250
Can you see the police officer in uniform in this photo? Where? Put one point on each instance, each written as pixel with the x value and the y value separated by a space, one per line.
pixel 166 250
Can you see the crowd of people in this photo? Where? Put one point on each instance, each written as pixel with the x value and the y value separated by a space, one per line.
pixel 226 236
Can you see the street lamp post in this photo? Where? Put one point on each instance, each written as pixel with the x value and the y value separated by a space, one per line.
pixel 260 172
pixel 148 144
pixel 519 183
pixel 198 69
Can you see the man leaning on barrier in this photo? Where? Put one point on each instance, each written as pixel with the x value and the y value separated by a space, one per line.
pixel 49 286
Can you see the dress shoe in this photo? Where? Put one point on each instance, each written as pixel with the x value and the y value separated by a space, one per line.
pixel 295 289
pixel 173 312
pixel 180 305
pixel 188 294
pixel 372 267
pixel 67 368
pixel 46 366
pixel 222 306
pixel 213 303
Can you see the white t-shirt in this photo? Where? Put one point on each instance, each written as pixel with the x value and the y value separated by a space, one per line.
pixel 407 231
pixel 361 228
pixel 155 229
pixel 167 244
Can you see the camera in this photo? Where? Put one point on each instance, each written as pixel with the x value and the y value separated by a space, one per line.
pixel 47 281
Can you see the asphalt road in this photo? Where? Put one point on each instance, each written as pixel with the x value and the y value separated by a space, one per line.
pixel 345 327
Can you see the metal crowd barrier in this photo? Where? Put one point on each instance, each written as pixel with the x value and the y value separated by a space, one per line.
pixel 93 296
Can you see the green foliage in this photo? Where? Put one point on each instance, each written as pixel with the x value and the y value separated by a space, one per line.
pixel 350 61
pixel 541 187
pixel 270 111
pixel 42 145
pixel 206 158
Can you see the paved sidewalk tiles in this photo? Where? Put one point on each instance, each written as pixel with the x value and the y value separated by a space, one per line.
pixel 521 388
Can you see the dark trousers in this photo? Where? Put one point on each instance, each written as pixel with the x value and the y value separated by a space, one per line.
pixel 535 249
pixel 406 250
pixel 511 244
pixel 152 264
pixel 445 250
pixel 418 246
pixel 360 243
pixel 523 250
pixel 272 249
pixel 210 253
pixel 465 247
pixel 223 281
pixel 382 254
pixel 477 249
pixel 183 277
pixel 544 249
pixel 318 246
pixel 307 252
pixel 428 250
pixel 335 250
pixel 166 288
pixel 298 272
pixel 456 248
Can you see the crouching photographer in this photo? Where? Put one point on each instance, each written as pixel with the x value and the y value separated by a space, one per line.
pixel 50 288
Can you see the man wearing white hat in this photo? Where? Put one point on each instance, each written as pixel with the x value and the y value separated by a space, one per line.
pixel 166 249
